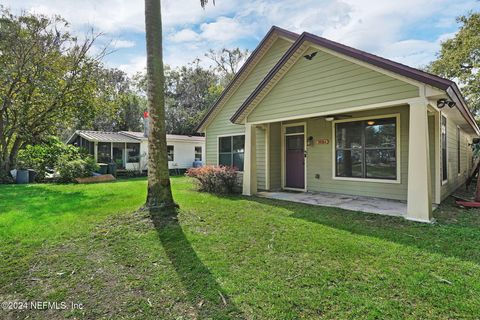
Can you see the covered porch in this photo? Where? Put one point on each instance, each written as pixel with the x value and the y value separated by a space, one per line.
pixel 389 163
pixel 110 147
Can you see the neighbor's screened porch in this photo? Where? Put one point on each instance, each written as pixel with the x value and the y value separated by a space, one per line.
pixel 119 153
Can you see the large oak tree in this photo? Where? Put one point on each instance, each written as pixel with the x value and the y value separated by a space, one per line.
pixel 459 59
pixel 47 79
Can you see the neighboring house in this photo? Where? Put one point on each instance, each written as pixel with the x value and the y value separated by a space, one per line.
pixel 129 150
pixel 308 114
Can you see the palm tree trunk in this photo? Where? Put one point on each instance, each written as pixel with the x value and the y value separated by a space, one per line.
pixel 159 195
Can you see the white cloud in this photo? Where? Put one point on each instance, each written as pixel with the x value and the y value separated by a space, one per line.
pixel 134 65
pixel 186 45
pixel 307 15
pixel 114 16
pixel 381 27
pixel 416 53
pixel 225 29
pixel 119 44
pixel 185 35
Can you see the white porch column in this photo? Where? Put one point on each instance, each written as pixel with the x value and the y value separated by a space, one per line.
pixel 125 157
pixel 111 152
pixel 419 199
pixel 250 161
pixel 95 151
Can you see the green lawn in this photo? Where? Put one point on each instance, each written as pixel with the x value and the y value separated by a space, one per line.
pixel 229 257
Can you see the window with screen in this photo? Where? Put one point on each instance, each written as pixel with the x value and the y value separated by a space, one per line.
pixel 198 153
pixel 133 152
pixel 104 152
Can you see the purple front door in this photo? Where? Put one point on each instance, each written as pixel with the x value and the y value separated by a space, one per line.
pixel 295 161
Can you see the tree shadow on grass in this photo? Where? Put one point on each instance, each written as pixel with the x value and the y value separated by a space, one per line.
pixel 456 233
pixel 210 300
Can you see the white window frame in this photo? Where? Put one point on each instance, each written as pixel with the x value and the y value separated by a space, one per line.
pixel 398 153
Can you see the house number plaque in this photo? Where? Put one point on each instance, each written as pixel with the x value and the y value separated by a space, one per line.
pixel 323 141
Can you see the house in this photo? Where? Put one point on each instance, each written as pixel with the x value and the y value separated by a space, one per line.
pixel 129 150
pixel 308 114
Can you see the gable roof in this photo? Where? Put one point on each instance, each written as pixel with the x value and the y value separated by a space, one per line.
pixel 435 81
pixel 243 70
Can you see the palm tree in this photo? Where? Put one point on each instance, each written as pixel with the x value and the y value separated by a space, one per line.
pixel 159 193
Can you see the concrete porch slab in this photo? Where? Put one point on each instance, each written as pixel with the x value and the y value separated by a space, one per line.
pixel 343 201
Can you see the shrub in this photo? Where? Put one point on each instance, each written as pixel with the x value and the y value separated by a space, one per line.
pixel 45 156
pixel 214 179
pixel 77 168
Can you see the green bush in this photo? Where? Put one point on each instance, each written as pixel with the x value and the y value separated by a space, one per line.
pixel 69 169
pixel 44 157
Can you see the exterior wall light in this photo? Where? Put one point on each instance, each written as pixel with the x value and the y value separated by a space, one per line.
pixel 451 104
pixel 444 102
pixel 310 141
pixel 441 103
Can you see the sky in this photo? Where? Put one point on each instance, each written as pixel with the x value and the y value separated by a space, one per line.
pixel 407 31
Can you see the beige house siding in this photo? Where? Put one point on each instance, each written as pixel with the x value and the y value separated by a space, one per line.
pixel 328 83
pixel 221 125
pixel 456 180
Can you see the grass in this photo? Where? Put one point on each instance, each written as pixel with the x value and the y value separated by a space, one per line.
pixel 229 257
